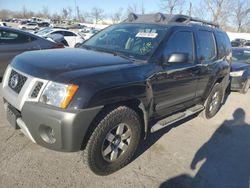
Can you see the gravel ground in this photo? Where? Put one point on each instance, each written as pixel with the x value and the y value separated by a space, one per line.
pixel 193 153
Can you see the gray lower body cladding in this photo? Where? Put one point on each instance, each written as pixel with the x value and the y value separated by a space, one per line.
pixel 69 127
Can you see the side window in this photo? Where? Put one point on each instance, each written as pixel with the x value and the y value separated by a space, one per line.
pixel 206 49
pixel 227 44
pixel 69 34
pixel 180 42
pixel 10 37
pixel 223 45
pixel 58 32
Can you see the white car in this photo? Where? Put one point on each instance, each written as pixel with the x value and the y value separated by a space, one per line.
pixel 29 26
pixel 73 39
pixel 3 24
pixel 89 33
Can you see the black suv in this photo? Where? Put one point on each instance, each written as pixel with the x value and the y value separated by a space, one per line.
pixel 103 97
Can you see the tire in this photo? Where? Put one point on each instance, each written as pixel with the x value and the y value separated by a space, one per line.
pixel 77 45
pixel 245 87
pixel 213 102
pixel 105 151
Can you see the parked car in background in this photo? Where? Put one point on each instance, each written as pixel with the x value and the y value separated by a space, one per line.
pixel 247 44
pixel 3 24
pixel 240 71
pixel 235 44
pixel 43 24
pixel 58 38
pixel 29 26
pixel 89 33
pixel 239 42
pixel 14 42
pixel 73 39
pixel 76 26
pixel 6 19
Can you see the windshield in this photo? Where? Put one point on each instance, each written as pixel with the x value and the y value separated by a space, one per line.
pixel 241 55
pixel 136 41
pixel 43 31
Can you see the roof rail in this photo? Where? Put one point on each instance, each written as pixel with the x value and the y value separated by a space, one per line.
pixel 166 18
pixel 188 19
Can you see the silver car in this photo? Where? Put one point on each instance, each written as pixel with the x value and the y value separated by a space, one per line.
pixel 14 42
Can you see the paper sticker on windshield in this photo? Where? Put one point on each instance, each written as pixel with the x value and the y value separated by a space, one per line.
pixel 146 35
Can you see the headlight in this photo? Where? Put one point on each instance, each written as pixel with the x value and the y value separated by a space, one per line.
pixel 58 95
pixel 237 73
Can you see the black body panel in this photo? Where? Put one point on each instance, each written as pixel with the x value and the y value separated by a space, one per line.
pixel 156 78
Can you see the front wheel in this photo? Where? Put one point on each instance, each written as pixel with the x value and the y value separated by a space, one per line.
pixel 213 102
pixel 114 141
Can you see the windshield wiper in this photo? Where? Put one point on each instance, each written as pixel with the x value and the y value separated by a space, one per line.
pixel 115 53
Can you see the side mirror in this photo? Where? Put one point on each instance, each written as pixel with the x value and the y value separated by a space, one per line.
pixel 176 58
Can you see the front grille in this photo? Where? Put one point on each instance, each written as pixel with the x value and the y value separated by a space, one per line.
pixel 16 81
pixel 36 90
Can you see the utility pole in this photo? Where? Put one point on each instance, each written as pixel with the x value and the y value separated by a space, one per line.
pixel 190 9
pixel 75 11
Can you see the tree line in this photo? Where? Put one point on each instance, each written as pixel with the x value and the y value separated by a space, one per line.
pixel 95 15
pixel 230 15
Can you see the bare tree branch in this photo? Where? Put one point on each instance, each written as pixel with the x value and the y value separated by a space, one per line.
pixel 132 9
pixel 217 11
pixel 97 14
pixel 172 6
pixel 117 16
pixel 241 14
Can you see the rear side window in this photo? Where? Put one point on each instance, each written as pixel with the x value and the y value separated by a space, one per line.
pixel 206 49
pixel 69 34
pixel 180 42
pixel 10 37
pixel 223 45
pixel 58 32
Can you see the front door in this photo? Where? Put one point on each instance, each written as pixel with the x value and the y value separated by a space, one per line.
pixel 176 83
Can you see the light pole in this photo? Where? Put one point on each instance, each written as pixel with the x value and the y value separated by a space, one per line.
pixel 75 10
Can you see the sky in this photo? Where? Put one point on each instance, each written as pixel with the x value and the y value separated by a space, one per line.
pixel 109 6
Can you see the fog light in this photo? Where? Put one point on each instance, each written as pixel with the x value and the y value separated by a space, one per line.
pixel 47 134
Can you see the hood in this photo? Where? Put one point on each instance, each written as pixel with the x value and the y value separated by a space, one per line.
pixel 50 64
pixel 239 65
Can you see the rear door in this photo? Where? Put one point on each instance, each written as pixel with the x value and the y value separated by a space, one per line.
pixel 207 60
pixel 11 44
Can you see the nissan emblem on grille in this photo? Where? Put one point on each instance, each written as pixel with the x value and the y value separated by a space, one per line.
pixel 14 81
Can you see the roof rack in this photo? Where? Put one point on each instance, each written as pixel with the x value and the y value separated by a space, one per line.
pixel 188 19
pixel 166 18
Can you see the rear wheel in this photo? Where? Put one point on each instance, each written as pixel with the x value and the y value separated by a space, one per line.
pixel 114 141
pixel 213 102
pixel 77 45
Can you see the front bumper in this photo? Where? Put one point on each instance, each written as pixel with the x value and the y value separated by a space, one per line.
pixel 237 83
pixel 69 127
pixel 48 126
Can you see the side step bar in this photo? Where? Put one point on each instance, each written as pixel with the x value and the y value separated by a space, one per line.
pixel 176 117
